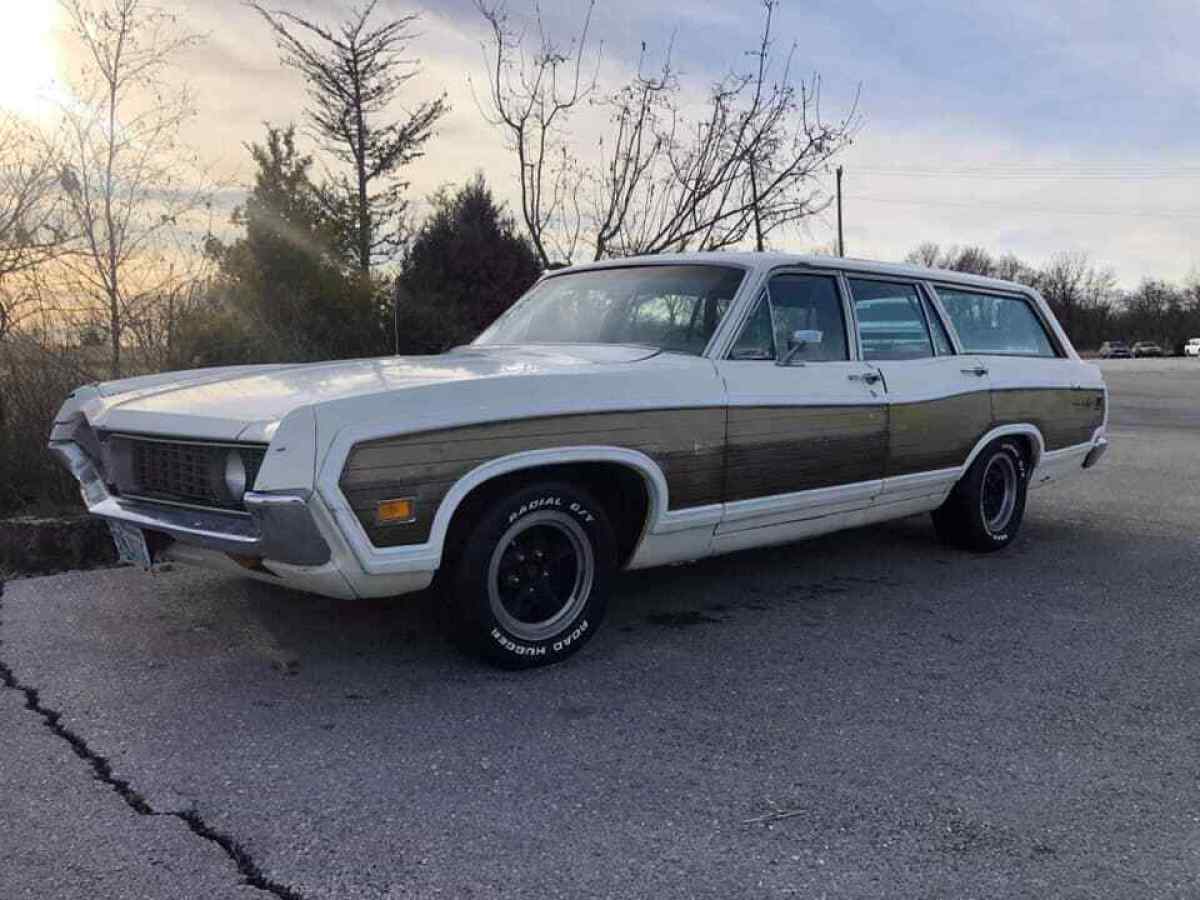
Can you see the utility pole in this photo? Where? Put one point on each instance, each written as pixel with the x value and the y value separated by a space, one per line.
pixel 841 237
pixel 758 234
pixel 396 315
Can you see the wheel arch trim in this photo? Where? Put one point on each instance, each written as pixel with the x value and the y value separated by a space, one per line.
pixel 1022 429
pixel 428 555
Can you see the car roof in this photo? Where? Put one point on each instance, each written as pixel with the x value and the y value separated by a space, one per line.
pixel 773 260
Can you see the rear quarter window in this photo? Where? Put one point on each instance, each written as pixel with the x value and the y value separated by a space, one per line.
pixel 995 324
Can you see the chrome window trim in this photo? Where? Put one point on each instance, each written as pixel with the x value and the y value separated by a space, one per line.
pixel 936 302
pixel 730 327
pixel 932 306
pixel 764 290
pixel 889 279
pixel 1027 298
pixel 764 295
pixel 710 350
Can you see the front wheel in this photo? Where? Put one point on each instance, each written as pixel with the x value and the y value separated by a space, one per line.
pixel 530 583
pixel 984 511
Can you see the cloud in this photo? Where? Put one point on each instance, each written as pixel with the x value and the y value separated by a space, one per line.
pixel 1025 126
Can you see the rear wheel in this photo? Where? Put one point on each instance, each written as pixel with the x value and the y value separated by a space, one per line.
pixel 986 507
pixel 529 583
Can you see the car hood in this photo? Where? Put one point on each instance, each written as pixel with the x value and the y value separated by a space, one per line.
pixel 244 402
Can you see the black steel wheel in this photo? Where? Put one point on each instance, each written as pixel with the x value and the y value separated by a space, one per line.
pixel 986 507
pixel 529 582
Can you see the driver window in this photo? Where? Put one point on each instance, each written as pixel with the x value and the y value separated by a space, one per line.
pixel 795 310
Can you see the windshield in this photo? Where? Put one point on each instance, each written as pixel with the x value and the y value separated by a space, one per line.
pixel 670 307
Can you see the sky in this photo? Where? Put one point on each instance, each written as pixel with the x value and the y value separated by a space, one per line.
pixel 1029 126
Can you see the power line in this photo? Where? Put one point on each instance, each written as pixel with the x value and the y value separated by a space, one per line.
pixel 996 166
pixel 1109 213
pixel 1047 175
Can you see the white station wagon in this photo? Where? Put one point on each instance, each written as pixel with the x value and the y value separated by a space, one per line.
pixel 620 415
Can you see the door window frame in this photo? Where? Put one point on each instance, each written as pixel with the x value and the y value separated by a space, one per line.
pixel 1030 303
pixel 933 308
pixel 926 298
pixel 849 326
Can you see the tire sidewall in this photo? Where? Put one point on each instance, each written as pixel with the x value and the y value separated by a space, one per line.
pixel 1013 525
pixel 478 623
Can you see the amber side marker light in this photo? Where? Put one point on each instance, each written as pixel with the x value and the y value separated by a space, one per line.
pixel 396 512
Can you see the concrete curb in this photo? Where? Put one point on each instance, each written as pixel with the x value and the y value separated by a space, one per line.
pixel 38 545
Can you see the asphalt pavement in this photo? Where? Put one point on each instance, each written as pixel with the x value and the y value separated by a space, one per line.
pixel 865 715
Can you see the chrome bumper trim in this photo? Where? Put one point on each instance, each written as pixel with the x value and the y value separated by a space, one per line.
pixel 1095 453
pixel 279 527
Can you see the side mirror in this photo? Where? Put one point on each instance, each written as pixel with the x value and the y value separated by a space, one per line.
pixel 803 338
pixel 799 341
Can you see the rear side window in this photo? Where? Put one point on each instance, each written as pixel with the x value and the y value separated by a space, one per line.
pixel 987 323
pixel 891 322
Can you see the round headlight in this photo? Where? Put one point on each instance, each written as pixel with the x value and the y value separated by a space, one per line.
pixel 235 475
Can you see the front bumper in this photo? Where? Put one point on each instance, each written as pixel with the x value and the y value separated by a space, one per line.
pixel 277 527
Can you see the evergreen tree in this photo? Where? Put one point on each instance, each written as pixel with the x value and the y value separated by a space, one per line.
pixel 292 275
pixel 465 266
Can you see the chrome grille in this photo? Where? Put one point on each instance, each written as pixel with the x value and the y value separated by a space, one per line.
pixel 183 472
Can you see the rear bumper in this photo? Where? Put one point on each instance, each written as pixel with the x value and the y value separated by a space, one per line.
pixel 1098 450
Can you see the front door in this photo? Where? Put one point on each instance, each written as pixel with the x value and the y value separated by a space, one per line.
pixel 938 401
pixel 807 423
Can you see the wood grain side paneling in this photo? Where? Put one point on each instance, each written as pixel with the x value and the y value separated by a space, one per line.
pixel 769 449
pixel 936 434
pixel 1065 416
pixel 781 449
pixel 687 444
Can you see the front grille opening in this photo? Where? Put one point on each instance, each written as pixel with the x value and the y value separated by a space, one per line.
pixel 188 473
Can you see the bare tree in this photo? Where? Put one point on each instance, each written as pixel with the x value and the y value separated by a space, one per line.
pixel 743 170
pixel 1073 287
pixel 1010 267
pixel 531 96
pixel 1191 289
pixel 928 254
pixel 973 259
pixel 130 189
pixel 33 229
pixel 354 75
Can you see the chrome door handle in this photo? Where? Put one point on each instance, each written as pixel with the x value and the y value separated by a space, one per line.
pixel 979 371
pixel 866 377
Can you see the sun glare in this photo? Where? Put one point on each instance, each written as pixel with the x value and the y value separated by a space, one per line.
pixel 28 61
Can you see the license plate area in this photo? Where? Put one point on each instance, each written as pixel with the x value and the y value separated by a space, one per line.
pixel 131 544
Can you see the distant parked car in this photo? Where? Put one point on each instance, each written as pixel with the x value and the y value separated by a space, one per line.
pixel 1192 347
pixel 1147 348
pixel 1115 350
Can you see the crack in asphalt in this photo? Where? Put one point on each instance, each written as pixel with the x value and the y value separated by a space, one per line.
pixel 102 771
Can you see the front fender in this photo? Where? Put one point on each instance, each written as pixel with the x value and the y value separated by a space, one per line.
pixel 428 555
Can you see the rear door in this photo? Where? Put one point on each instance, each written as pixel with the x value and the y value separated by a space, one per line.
pixel 1033 378
pixel 938 399
pixel 807 438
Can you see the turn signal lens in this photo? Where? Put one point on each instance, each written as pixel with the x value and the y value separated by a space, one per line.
pixel 395 512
